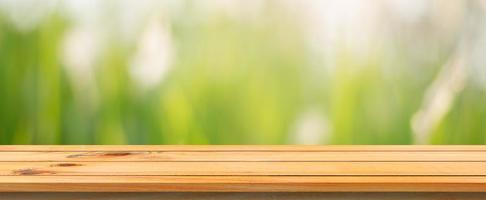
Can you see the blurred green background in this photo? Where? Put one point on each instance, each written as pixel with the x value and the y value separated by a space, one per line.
pixel 242 72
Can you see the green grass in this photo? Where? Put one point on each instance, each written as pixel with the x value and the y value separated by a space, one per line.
pixel 231 82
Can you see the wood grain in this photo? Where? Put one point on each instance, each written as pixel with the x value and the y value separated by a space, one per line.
pixel 242 148
pixel 244 196
pixel 262 156
pixel 242 168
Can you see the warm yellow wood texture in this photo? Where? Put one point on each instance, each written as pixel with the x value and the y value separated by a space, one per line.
pixel 244 196
pixel 243 168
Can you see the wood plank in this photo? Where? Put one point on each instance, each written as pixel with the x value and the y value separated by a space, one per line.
pixel 239 148
pixel 162 156
pixel 242 168
pixel 240 184
pixel 241 196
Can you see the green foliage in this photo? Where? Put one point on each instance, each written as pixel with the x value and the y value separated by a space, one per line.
pixel 231 82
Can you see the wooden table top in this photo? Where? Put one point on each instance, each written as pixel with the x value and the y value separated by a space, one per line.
pixel 243 168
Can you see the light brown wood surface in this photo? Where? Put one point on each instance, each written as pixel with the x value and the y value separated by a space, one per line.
pixel 242 168
pixel 244 196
